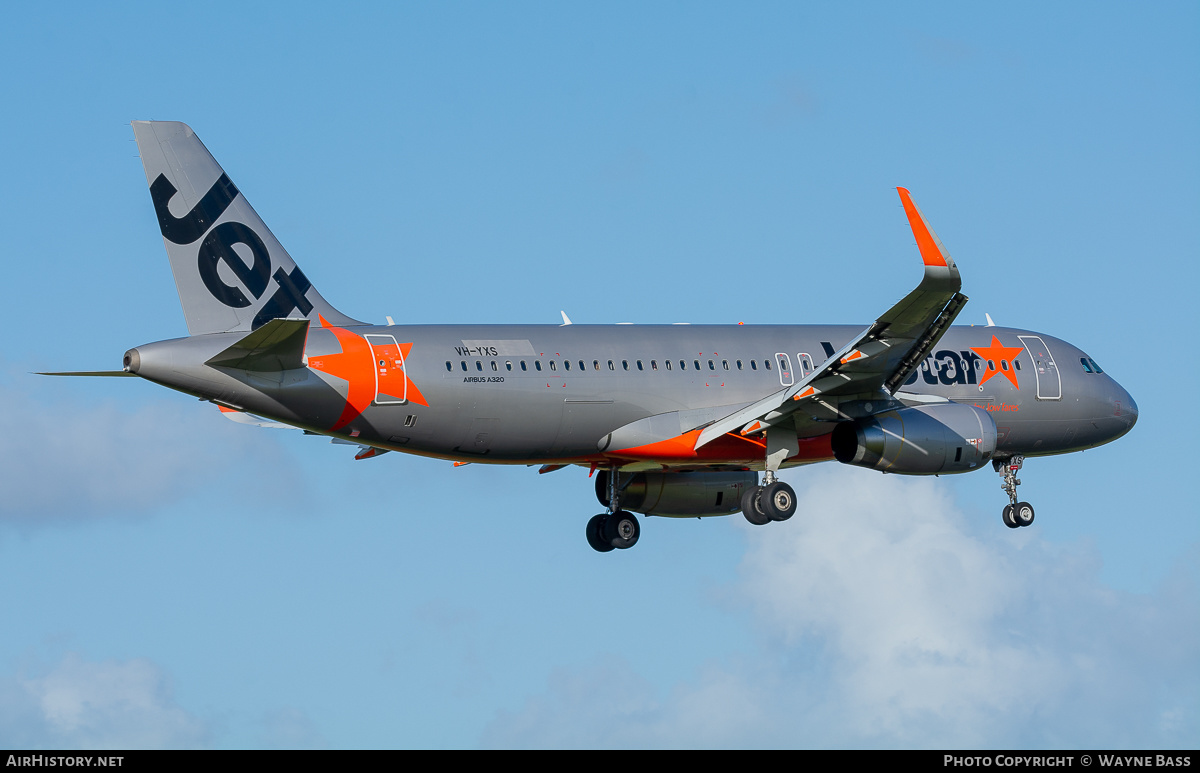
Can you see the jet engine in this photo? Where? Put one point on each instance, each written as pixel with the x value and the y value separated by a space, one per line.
pixel 922 440
pixel 679 494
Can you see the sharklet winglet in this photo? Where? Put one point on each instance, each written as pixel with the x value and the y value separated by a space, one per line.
pixel 933 252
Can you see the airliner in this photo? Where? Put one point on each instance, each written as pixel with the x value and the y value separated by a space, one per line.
pixel 670 420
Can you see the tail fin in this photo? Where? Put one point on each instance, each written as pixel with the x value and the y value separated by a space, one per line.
pixel 231 272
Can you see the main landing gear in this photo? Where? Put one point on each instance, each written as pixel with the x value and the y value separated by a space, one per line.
pixel 615 529
pixel 1016 513
pixel 772 501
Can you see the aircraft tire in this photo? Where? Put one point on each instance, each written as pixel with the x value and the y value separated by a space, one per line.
pixel 1023 514
pixel 593 534
pixel 1007 515
pixel 778 501
pixel 752 508
pixel 621 530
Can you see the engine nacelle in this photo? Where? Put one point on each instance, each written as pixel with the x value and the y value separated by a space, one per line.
pixel 680 494
pixel 922 440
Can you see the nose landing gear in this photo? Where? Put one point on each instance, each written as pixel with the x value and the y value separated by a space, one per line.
pixel 1016 514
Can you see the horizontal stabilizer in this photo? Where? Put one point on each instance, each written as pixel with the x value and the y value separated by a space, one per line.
pixel 277 345
pixel 108 373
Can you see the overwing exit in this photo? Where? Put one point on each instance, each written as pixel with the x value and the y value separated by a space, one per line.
pixel 674 420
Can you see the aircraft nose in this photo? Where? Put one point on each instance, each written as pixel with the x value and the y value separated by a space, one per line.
pixel 1123 407
pixel 1127 407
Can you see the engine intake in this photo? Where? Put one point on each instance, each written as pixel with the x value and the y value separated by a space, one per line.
pixel 922 440
pixel 679 494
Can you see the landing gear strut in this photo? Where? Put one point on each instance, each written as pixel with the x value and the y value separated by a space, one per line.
pixel 1015 513
pixel 616 528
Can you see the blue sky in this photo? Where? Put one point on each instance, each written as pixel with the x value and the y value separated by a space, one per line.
pixel 171 579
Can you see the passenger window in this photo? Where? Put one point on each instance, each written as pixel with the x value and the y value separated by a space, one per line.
pixel 1017 364
pixel 494 367
pixel 696 363
pixel 668 364
pixel 611 366
pixel 449 366
pixel 653 364
pixel 753 365
pixel 567 364
pixel 767 363
pixel 683 364
pixel 991 366
pixel 478 365
pixel 639 364
pixel 711 365
pixel 553 366
pixel 596 364
pixel 523 365
pixel 464 366
pixel 625 364
pixel 725 364
pixel 537 364
pixel 508 364
pixel 582 367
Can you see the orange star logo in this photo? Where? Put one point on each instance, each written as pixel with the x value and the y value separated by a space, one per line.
pixel 356 366
pixel 999 360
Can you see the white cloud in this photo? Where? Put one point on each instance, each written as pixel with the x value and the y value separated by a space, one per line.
pixel 75 458
pixel 87 705
pixel 888 619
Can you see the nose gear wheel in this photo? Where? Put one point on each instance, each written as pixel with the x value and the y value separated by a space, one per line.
pixel 1016 514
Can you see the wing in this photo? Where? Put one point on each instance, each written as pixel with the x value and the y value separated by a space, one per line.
pixel 878 360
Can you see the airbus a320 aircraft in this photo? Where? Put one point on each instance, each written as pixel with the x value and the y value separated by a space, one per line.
pixel 678 420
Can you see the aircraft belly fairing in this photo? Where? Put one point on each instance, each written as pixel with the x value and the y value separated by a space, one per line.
pixel 679 419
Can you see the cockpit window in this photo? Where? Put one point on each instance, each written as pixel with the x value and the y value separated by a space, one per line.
pixel 1086 367
pixel 1095 367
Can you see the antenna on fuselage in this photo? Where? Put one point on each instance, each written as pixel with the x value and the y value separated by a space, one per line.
pixel 989 319
pixel 566 319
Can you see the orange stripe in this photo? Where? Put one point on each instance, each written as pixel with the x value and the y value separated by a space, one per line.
pixel 726 448
pixel 805 393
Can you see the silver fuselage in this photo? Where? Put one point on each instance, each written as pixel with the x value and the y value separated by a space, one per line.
pixel 531 394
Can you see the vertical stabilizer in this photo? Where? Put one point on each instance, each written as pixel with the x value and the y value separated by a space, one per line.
pixel 231 272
